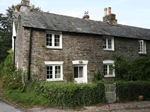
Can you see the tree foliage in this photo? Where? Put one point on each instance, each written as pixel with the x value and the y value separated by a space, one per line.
pixel 6 29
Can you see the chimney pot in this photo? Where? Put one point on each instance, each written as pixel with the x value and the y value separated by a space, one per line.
pixel 16 10
pixel 109 10
pixel 105 11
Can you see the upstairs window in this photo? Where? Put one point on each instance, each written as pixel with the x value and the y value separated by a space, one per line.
pixel 142 47
pixel 108 69
pixel 108 43
pixel 54 40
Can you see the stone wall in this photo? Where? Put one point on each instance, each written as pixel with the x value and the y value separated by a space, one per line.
pixel 76 47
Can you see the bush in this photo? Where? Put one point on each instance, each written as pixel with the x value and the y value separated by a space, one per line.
pixel 97 76
pixel 138 69
pixel 72 95
pixel 11 78
pixel 130 91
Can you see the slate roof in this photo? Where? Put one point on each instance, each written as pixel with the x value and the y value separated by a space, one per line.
pixel 62 23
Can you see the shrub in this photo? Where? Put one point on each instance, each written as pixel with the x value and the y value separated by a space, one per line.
pixel 11 79
pixel 97 76
pixel 72 95
pixel 129 91
pixel 69 77
pixel 138 69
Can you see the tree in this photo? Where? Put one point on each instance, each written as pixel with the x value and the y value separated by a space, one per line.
pixel 6 29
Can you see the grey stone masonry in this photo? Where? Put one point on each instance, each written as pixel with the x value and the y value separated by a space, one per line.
pixel 75 46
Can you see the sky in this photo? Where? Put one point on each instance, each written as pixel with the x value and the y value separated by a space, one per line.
pixel 128 12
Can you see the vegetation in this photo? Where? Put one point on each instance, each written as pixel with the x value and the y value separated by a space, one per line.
pixel 130 90
pixel 97 76
pixel 6 29
pixel 138 69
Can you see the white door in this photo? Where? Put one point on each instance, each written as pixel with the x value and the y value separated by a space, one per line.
pixel 80 75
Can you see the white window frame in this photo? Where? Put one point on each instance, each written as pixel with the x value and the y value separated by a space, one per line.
pixel 112 43
pixel 109 62
pixel 53 33
pixel 142 46
pixel 83 63
pixel 53 64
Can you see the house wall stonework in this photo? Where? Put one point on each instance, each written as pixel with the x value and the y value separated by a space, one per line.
pixel 75 46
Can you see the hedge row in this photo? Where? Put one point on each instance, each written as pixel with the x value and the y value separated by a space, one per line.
pixel 72 95
pixel 130 91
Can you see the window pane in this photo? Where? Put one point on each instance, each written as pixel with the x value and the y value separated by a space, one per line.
pixel 57 71
pixel 49 39
pixel 57 40
pixel 109 43
pixel 110 69
pixel 49 72
pixel 75 72
pixel 105 69
pixel 104 43
pixel 80 71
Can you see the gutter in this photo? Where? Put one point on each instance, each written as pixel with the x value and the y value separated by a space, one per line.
pixel 30 51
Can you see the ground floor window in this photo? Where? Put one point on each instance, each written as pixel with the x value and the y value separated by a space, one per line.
pixel 54 70
pixel 108 68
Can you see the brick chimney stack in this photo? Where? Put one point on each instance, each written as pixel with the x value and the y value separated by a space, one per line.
pixel 109 10
pixel 25 6
pixel 110 18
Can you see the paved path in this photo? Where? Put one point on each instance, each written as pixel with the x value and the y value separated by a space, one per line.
pixel 7 107
pixel 116 107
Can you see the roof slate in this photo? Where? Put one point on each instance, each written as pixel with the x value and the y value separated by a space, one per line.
pixel 62 23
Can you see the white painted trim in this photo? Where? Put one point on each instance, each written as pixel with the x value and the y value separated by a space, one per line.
pixel 112 43
pixel 143 47
pixel 13 34
pixel 53 62
pixel 80 62
pixel 54 33
pixel 109 62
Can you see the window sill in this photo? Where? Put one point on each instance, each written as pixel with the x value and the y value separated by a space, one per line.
pixel 59 48
pixel 109 76
pixel 142 53
pixel 108 49
pixel 52 80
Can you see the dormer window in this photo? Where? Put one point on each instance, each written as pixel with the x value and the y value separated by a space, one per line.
pixel 142 47
pixel 54 40
pixel 108 43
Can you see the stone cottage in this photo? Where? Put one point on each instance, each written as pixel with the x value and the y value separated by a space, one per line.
pixel 51 46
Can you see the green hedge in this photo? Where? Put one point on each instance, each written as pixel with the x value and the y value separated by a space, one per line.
pixel 72 95
pixel 130 91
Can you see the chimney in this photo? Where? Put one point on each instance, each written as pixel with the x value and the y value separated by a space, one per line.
pixel 16 10
pixel 86 16
pixel 110 18
pixel 109 10
pixel 25 6
pixel 105 11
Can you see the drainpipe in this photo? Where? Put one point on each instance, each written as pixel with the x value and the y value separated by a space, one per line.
pixel 30 50
pixel 14 50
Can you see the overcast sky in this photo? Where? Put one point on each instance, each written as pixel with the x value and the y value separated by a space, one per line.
pixel 129 12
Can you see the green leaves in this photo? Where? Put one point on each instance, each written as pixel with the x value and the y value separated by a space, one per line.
pixel 130 90
pixel 138 69
pixel 72 95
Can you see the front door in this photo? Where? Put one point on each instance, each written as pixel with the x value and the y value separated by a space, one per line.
pixel 79 74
